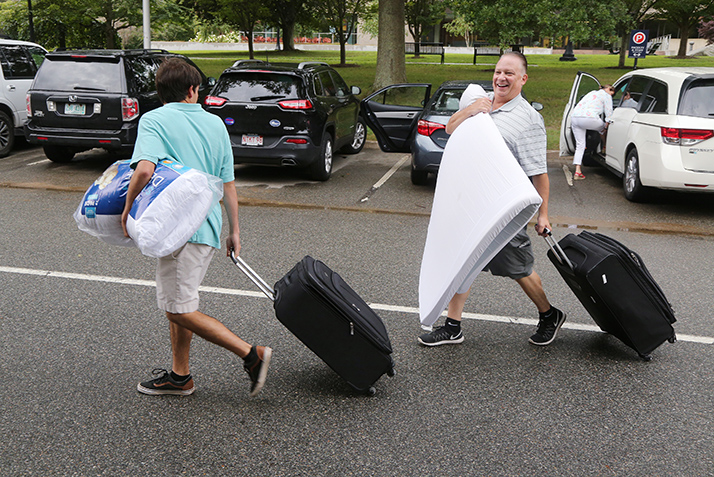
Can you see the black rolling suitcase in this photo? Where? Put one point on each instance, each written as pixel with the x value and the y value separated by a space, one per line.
pixel 615 287
pixel 323 312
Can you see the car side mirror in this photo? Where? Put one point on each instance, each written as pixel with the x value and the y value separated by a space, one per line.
pixel 211 81
pixel 356 90
pixel 537 106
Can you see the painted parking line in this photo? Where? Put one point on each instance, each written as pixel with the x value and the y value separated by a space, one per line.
pixel 384 178
pixel 376 306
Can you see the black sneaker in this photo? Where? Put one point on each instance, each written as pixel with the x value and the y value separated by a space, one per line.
pixel 548 328
pixel 164 384
pixel 441 336
pixel 257 368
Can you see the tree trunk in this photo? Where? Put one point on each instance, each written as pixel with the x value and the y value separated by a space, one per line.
pixel 391 64
pixel 250 44
pixel 624 48
pixel 342 38
pixel 288 43
pixel 684 35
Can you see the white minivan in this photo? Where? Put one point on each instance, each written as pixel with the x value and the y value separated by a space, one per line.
pixel 661 137
pixel 20 61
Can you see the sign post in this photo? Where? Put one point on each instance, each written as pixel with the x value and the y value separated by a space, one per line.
pixel 638 44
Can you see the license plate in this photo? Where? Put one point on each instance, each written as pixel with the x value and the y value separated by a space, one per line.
pixel 251 140
pixel 74 109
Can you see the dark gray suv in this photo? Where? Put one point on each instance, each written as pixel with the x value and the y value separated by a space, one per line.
pixel 83 99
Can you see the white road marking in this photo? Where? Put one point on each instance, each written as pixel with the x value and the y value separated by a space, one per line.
pixel 568 175
pixel 385 178
pixel 376 306
pixel 38 162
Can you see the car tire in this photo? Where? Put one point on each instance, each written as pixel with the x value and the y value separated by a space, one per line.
pixel 360 138
pixel 634 190
pixel 321 170
pixel 7 134
pixel 59 154
pixel 419 177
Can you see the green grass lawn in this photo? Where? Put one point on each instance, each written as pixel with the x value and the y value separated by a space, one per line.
pixel 549 79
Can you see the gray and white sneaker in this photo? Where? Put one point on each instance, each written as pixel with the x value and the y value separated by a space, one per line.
pixel 441 336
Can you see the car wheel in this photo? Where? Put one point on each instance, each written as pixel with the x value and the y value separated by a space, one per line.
pixel 60 154
pixel 7 134
pixel 419 177
pixel 360 138
pixel 322 168
pixel 634 190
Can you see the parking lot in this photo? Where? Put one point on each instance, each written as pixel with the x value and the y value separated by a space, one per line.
pixel 80 328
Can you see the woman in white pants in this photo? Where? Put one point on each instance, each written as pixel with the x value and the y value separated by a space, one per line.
pixel 588 114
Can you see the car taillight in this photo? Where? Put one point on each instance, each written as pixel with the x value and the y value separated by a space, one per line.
pixel 427 128
pixel 129 108
pixel 295 104
pixel 28 106
pixel 296 141
pixel 214 101
pixel 685 137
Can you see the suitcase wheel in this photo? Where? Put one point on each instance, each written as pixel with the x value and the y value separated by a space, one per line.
pixel 673 338
pixel 371 391
pixel 391 373
pixel 646 357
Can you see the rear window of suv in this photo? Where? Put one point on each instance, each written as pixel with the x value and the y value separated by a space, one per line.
pixel 698 99
pixel 251 87
pixel 70 75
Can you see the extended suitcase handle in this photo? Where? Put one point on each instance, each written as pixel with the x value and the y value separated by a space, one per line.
pixel 558 250
pixel 254 277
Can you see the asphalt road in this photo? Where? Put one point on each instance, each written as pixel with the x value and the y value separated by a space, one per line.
pixel 79 328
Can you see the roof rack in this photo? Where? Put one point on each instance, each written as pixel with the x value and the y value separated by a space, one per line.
pixel 305 64
pixel 249 62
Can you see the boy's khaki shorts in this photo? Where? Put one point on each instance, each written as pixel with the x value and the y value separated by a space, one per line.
pixel 179 275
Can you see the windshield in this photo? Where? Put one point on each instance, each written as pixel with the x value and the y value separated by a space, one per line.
pixel 258 87
pixel 447 102
pixel 63 75
pixel 698 99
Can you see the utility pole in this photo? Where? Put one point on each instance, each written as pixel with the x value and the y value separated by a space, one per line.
pixel 147 23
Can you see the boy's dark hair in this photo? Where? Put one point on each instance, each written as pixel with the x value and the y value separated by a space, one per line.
pixel 174 78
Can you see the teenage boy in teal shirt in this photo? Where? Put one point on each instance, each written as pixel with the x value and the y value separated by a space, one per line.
pixel 182 131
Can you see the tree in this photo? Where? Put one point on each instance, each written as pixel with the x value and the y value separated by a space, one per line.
pixel 501 22
pixel 461 27
pixel 341 16
pixel 686 14
pixel 243 14
pixel 286 13
pixel 633 12
pixel 420 14
pixel 578 20
pixel 391 63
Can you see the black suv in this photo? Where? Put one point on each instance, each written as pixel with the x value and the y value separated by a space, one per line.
pixel 288 115
pixel 82 99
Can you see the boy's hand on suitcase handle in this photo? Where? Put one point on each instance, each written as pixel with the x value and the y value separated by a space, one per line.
pixel 232 246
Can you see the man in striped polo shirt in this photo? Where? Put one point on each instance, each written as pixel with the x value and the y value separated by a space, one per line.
pixel 523 130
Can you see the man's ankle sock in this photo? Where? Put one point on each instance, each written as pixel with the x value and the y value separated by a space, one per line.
pixel 178 378
pixel 547 314
pixel 454 326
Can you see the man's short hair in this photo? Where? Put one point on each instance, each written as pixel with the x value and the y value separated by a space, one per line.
pixel 521 57
pixel 174 78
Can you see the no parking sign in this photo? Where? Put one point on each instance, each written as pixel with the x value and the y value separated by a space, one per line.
pixel 638 43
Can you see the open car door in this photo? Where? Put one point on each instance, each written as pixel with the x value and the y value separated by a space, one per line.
pixel 392 113
pixel 583 84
